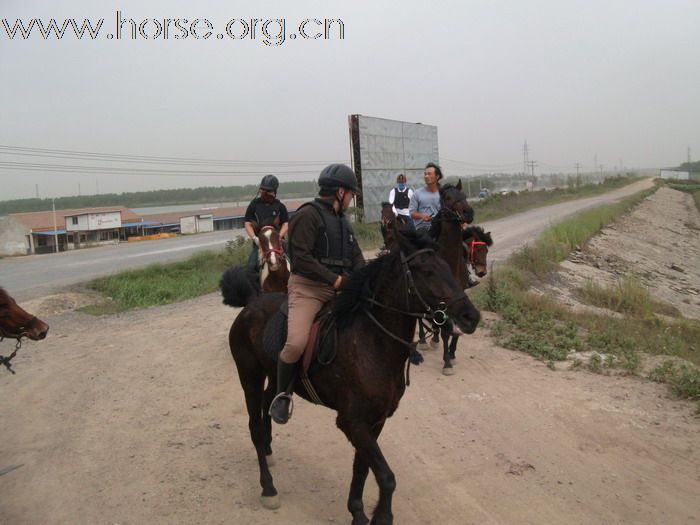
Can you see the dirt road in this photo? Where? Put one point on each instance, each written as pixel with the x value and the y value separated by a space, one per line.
pixel 139 418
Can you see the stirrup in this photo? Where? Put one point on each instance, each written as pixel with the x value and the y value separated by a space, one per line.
pixel 290 408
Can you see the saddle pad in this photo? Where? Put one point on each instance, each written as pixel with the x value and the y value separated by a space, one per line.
pixel 324 330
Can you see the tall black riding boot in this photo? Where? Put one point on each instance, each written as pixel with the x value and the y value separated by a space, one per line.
pixel 279 408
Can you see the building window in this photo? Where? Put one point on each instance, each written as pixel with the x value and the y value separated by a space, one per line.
pixel 74 220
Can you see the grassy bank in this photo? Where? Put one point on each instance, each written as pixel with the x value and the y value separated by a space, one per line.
pixel 168 283
pixel 534 323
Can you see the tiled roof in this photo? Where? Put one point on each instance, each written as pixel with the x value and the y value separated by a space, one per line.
pixel 43 220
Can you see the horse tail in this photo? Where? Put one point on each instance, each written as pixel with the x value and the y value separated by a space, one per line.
pixel 236 287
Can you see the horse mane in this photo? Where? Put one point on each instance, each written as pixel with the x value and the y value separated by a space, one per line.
pixel 479 233
pixel 363 282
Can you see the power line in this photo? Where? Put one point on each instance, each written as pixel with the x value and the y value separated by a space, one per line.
pixel 64 168
pixel 87 155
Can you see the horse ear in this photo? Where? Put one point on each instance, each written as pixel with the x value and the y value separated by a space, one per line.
pixel 459 184
pixel 256 228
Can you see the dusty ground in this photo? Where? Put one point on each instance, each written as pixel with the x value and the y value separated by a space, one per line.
pixel 139 418
pixel 658 243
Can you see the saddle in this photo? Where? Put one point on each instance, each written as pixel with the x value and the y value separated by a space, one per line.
pixel 321 347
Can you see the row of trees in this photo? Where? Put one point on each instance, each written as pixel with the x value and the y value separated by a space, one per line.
pixel 140 199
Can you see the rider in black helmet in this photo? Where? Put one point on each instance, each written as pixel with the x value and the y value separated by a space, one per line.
pixel 261 210
pixel 323 251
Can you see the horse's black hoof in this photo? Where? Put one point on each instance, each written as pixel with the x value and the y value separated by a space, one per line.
pixel 360 519
pixel 448 371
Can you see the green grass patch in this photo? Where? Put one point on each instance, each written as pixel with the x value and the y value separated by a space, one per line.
pixel 167 283
pixel 627 296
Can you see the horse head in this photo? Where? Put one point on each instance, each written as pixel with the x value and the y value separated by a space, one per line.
pixel 455 205
pixel 16 323
pixel 434 287
pixel 477 243
pixel 271 251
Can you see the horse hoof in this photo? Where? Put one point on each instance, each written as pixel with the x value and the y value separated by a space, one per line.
pixel 434 344
pixel 448 371
pixel 270 502
pixel 270 460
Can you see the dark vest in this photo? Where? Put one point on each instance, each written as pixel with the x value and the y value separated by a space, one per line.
pixel 335 241
pixel 401 200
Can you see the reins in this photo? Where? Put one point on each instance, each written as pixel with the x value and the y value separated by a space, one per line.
pixel 438 315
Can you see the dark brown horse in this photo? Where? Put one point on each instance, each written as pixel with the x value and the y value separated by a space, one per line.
pixel 463 247
pixel 16 323
pixel 376 314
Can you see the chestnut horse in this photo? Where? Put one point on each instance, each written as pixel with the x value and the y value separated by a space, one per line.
pixel 16 323
pixel 376 314
pixel 273 263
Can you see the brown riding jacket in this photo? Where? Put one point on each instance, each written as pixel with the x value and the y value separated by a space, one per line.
pixel 304 228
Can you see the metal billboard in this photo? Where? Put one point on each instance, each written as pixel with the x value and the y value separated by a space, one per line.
pixel 383 148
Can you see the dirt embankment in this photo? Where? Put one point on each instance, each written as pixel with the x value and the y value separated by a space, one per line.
pixel 139 418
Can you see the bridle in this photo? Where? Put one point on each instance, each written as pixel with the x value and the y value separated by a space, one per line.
pixel 436 315
pixel 271 249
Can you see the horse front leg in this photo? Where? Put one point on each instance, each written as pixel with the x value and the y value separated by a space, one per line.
pixel 368 454
pixel 446 331
pixel 435 340
pixel 453 348
pixel 360 469
pixel 422 344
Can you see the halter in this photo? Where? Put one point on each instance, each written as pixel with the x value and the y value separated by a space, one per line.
pixel 472 251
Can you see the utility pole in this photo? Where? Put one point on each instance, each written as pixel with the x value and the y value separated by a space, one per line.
pixel 577 166
pixel 525 158
pixel 55 228
pixel 532 164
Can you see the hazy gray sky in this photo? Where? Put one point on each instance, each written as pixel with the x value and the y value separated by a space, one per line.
pixel 616 79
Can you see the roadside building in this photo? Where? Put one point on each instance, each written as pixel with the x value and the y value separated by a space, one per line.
pixel 47 232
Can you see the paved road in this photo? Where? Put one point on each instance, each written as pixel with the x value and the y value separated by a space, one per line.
pixel 35 275
pixel 510 233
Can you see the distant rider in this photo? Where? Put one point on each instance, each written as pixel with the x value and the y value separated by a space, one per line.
pixel 264 208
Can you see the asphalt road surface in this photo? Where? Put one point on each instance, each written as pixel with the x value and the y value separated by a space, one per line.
pixel 32 276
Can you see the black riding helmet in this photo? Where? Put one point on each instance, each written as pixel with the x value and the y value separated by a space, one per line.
pixel 269 183
pixel 337 176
